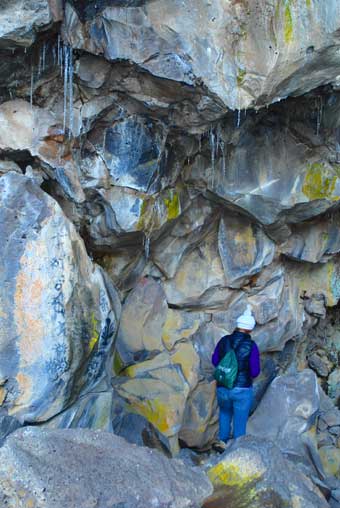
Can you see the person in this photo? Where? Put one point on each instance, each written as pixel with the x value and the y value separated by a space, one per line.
pixel 235 403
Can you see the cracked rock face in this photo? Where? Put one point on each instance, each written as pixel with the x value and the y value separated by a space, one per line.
pixel 58 313
pixel 135 149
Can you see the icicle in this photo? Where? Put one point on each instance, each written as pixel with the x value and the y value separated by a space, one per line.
pixel 104 143
pixel 54 54
pixel 212 147
pixel 66 65
pixel 319 115
pixel 44 57
pixel 32 83
pixel 58 49
pixel 238 118
pixel 40 63
pixel 70 78
pixel 147 247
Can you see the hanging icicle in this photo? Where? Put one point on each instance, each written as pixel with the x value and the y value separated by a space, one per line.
pixel 32 85
pixel 70 80
pixel 66 69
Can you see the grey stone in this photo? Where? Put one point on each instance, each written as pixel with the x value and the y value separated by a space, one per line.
pixel 293 402
pixel 254 472
pixel 78 467
pixel 244 249
pixel 8 424
pixel 173 44
pixel 320 364
pixel 143 316
pixel 20 20
pixel 59 311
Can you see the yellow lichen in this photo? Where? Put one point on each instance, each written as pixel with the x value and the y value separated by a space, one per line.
pixel 241 76
pixel 308 3
pixel 318 183
pixel 231 475
pixel 118 364
pixel 156 412
pixel 94 332
pixel 288 25
pixel 172 204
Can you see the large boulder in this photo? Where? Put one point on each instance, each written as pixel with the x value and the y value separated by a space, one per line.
pixel 253 472
pixel 242 58
pixel 20 20
pixel 58 468
pixel 293 402
pixel 58 310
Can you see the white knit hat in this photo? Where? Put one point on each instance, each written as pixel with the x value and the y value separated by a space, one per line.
pixel 246 321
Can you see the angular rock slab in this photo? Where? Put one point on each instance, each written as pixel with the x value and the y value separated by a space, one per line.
pixel 271 176
pixel 58 311
pixel 143 316
pixel 313 241
pixel 132 150
pixel 253 472
pixel 20 20
pixel 265 58
pixel 73 468
pixel 244 249
pixel 200 281
pixel 292 401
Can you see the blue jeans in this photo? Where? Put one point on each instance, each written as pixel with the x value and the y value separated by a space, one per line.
pixel 234 404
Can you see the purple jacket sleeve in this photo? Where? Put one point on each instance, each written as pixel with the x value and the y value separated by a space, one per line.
pixel 254 361
pixel 216 357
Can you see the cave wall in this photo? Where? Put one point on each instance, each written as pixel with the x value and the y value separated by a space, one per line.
pixel 162 167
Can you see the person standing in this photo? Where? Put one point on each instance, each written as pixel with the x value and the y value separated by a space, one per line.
pixel 235 403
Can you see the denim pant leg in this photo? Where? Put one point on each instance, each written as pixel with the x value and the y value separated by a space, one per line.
pixel 226 412
pixel 242 402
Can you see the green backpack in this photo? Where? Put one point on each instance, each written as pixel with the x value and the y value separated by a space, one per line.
pixel 226 371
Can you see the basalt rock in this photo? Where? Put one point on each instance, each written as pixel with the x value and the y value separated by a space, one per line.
pixel 265 58
pixel 59 312
pixel 85 468
pixel 254 472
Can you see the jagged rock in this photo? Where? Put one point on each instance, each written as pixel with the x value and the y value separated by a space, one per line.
pixel 271 176
pixel 200 280
pixel 321 279
pixel 92 411
pixel 6 166
pixel 143 316
pixel 200 426
pixel 244 249
pixel 265 59
pixel 318 361
pixel 330 457
pixel 184 236
pixel 73 468
pixel 20 20
pixel 315 306
pixel 313 241
pixel 8 424
pixel 292 401
pixel 59 311
pixel 132 150
pixel 334 385
pixel 180 325
pixel 254 472
pixel 159 395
